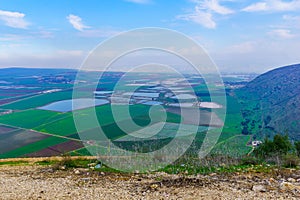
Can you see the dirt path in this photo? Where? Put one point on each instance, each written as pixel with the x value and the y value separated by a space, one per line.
pixel 40 182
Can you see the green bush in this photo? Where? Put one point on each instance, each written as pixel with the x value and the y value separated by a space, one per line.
pixel 280 145
pixel 297 148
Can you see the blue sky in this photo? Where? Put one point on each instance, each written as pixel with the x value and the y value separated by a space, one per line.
pixel 239 35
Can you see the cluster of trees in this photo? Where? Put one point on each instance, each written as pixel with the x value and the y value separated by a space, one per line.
pixel 279 150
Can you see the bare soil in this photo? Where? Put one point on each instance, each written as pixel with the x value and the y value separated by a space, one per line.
pixel 43 182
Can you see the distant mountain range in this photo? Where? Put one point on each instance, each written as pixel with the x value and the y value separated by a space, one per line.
pixel 271 103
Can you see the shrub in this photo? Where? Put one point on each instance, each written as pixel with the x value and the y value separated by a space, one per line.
pixel 65 163
pixel 250 160
pixel 291 160
pixel 297 148
pixel 281 144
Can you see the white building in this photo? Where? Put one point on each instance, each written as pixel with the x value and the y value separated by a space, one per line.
pixel 256 143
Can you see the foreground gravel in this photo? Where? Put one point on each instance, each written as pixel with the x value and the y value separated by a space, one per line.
pixel 37 182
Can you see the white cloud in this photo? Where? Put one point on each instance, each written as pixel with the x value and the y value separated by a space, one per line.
pixel 273 5
pixel 139 1
pixel 214 6
pixel 291 18
pixel 204 13
pixel 200 17
pixel 282 33
pixel 13 19
pixel 10 37
pixel 294 20
pixel 77 22
pixel 260 6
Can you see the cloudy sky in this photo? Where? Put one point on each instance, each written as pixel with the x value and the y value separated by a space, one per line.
pixel 239 35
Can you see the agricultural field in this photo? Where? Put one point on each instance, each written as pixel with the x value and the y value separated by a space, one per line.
pixel 18 138
pixel 38 100
pixel 33 147
pixel 18 83
pixel 57 149
pixel 29 119
pixel 33 131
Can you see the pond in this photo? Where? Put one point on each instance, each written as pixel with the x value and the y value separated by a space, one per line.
pixel 66 105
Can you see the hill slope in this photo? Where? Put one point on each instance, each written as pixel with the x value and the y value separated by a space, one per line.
pixel 271 102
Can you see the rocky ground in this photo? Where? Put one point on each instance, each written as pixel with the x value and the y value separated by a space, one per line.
pixel 41 182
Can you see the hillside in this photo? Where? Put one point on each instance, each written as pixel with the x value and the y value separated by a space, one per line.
pixel 271 102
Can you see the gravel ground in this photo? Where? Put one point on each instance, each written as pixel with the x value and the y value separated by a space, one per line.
pixel 39 182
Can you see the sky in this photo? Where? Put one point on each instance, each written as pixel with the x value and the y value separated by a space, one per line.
pixel 239 35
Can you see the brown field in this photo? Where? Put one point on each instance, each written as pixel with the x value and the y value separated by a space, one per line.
pixel 58 149
pixel 18 138
pixel 6 129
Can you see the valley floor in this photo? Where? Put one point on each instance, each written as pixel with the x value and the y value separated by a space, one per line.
pixel 41 182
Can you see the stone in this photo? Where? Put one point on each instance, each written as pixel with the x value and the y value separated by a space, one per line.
pixel 272 180
pixel 48 170
pixel 266 182
pixel 286 186
pixel 62 167
pixel 282 180
pixel 154 186
pixel 98 166
pixel 86 179
pixel 291 180
pixel 91 164
pixel 259 188
pixel 76 171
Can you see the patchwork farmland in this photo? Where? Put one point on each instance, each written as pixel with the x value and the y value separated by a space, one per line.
pixel 27 129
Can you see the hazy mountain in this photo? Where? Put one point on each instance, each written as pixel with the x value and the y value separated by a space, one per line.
pixel 17 71
pixel 271 103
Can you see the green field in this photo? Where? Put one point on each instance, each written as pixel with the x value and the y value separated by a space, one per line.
pixel 62 124
pixel 234 146
pixel 80 152
pixel 66 126
pixel 30 118
pixel 60 127
pixel 233 116
pixel 38 100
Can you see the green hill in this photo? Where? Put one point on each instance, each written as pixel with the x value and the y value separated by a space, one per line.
pixel 270 103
